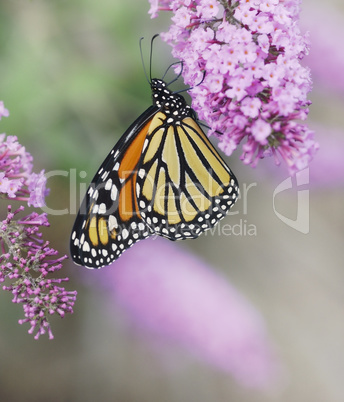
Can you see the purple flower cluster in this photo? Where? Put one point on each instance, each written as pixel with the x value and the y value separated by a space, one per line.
pixel 255 88
pixel 17 181
pixel 26 259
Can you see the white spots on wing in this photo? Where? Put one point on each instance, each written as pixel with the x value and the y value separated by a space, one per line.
pixel 95 195
pixel 82 239
pixel 114 192
pixel 112 223
pixel 105 175
pixel 102 208
pixel 142 173
pixel 145 144
pixel 138 188
pixel 125 234
pixel 141 226
pixel 108 185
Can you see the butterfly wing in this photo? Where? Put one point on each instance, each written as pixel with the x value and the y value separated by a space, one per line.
pixel 183 185
pixel 109 220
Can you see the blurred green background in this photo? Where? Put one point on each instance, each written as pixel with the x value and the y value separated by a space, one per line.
pixel 72 79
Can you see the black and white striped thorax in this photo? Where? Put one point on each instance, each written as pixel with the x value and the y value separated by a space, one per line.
pixel 171 104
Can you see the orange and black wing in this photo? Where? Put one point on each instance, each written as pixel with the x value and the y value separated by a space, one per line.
pixel 162 177
pixel 183 185
pixel 109 219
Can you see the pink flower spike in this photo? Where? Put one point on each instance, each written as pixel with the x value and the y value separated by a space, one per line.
pixel 256 47
pixel 27 265
pixel 174 296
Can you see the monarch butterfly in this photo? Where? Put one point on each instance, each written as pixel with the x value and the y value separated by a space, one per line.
pixel 162 177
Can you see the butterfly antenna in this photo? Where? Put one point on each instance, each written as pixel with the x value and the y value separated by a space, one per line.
pixel 188 89
pixel 151 56
pixel 179 74
pixel 143 63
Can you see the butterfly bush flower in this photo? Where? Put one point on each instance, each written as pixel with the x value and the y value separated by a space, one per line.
pixel 254 89
pixel 17 181
pixel 26 260
pixel 174 296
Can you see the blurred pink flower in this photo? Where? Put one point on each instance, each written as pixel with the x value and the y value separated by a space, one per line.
pixel 327 170
pixel 174 296
pixel 326 58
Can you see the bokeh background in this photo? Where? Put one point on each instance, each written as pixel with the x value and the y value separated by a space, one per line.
pixel 72 78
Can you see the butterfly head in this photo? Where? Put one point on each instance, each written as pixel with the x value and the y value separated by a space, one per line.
pixel 171 103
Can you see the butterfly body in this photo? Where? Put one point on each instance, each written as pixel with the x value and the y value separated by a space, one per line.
pixel 162 177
